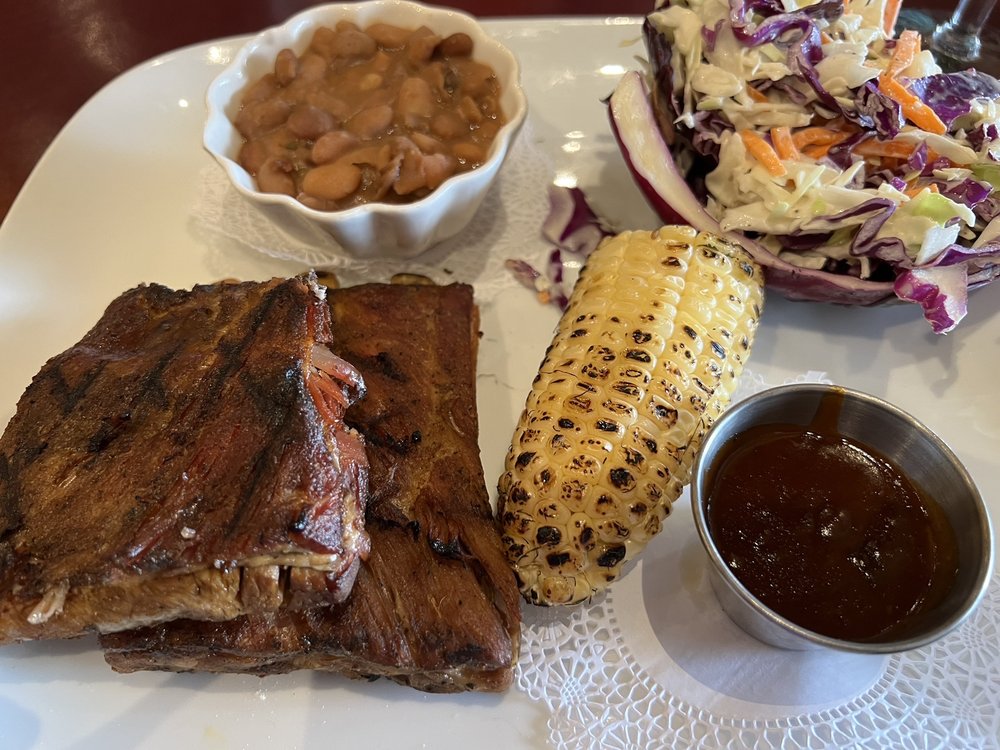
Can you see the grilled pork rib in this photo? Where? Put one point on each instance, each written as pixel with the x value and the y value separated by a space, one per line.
pixel 188 458
pixel 436 605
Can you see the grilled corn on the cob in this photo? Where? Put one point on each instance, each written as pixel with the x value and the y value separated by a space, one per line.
pixel 644 359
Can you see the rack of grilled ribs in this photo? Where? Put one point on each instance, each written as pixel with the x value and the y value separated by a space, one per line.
pixel 187 458
pixel 435 606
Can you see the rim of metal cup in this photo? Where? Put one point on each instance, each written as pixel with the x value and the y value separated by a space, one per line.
pixel 718 435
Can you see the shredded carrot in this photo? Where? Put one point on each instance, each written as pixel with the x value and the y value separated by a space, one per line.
pixel 890 15
pixel 924 118
pixel 763 153
pixel 907 47
pixel 895 90
pixel 825 38
pixel 818 136
pixel 781 139
pixel 885 149
pixel 913 108
pixel 757 95
pixel 817 152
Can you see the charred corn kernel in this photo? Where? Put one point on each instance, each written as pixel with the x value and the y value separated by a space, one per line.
pixel 643 361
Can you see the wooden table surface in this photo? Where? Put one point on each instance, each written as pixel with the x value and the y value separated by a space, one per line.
pixel 55 54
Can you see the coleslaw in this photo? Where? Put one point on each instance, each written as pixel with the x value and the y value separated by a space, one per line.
pixel 841 155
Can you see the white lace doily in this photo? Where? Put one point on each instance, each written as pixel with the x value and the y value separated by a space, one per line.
pixel 507 225
pixel 655 663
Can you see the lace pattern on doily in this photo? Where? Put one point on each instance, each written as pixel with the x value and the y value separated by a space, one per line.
pixel 599 696
pixel 507 225
pixel 576 662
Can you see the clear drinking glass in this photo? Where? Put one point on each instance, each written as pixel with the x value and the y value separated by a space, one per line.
pixel 958 42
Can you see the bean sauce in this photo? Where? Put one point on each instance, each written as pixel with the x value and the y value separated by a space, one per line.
pixel 828 533
pixel 380 114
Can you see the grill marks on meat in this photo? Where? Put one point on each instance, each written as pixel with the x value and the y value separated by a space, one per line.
pixel 175 446
pixel 435 606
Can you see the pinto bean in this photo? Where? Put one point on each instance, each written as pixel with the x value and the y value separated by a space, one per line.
pixel 260 117
pixel 388 36
pixel 469 153
pixel 377 155
pixel 448 125
pixel 381 62
pixel 437 168
pixel 274 176
pixel 474 78
pixel 435 74
pixel 490 106
pixel 310 122
pixel 487 131
pixel 331 146
pixel 312 68
pixel 411 174
pixel 286 67
pixel 419 171
pixel 377 97
pixel 322 41
pixel 271 113
pixel 332 181
pixel 252 156
pixel 470 111
pixel 426 143
pixel 330 102
pixel 370 82
pixel 415 102
pixel 421 45
pixel 261 90
pixel 455 45
pixel 348 43
pixel 371 122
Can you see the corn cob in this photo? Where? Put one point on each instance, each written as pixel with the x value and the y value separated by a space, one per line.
pixel 643 361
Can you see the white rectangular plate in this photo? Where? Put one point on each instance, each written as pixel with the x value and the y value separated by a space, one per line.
pixel 109 206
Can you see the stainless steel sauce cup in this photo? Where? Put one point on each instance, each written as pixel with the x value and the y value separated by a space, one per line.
pixel 914 449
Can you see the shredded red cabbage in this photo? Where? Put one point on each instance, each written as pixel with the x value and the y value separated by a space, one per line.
pixel 941 292
pixel 574 229
pixel 950 95
pixel 970 192
pixel 875 111
pixel 983 134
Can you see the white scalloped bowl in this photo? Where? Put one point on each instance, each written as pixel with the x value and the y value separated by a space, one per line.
pixel 375 230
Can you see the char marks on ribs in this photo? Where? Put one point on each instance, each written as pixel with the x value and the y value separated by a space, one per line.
pixel 187 458
pixel 435 606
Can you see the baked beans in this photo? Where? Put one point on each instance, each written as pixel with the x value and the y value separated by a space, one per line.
pixel 381 114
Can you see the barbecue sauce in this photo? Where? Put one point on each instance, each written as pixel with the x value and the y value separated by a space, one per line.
pixel 827 532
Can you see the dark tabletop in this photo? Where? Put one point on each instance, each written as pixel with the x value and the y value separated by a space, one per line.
pixel 55 54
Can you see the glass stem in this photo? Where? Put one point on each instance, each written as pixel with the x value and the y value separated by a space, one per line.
pixel 958 38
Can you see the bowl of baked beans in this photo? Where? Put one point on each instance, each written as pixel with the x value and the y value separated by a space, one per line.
pixel 383 122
